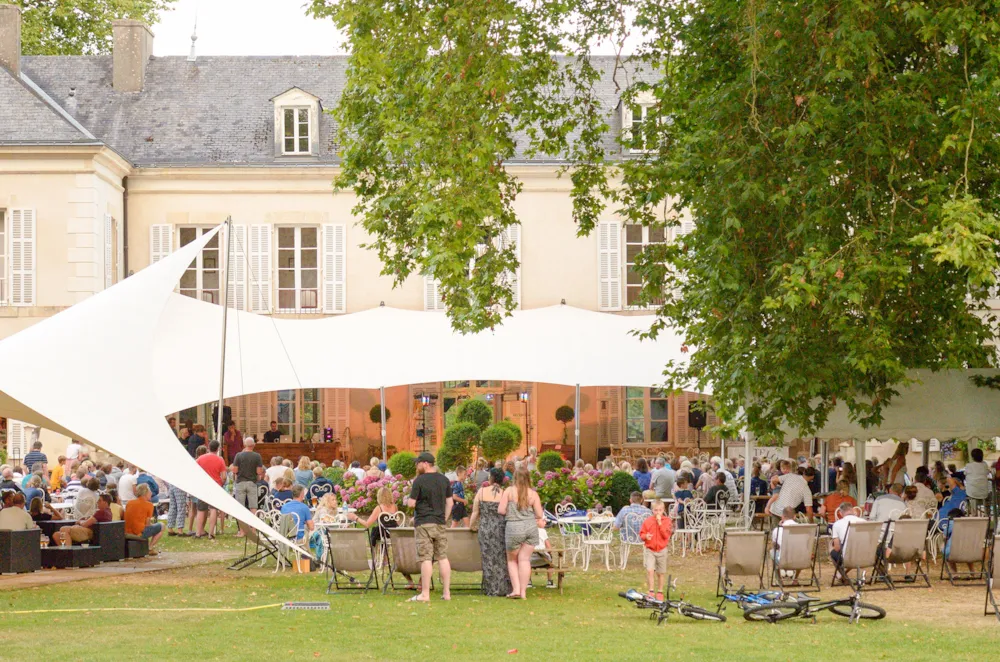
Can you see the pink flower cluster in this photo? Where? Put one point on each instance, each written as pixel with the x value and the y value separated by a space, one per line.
pixel 363 494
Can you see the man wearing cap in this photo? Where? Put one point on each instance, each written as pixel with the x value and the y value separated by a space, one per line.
pixel 430 498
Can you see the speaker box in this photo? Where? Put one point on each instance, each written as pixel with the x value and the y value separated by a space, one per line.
pixel 696 416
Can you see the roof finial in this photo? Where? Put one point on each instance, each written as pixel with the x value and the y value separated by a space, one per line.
pixel 194 37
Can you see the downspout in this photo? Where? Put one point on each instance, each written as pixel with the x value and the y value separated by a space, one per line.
pixel 125 227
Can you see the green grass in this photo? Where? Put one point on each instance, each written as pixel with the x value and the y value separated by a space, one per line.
pixel 589 621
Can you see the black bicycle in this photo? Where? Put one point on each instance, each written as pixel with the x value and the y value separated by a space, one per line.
pixel 764 606
pixel 662 608
pixel 774 606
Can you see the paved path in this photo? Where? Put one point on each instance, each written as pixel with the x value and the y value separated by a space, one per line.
pixel 165 561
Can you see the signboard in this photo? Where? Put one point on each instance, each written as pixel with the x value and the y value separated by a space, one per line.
pixel 735 450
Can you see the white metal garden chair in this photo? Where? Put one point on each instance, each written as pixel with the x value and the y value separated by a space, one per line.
pixel 687 535
pixel 597 536
pixel 628 536
pixel 571 533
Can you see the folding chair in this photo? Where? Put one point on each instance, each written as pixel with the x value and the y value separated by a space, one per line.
pixel 263 548
pixel 797 554
pixel 465 556
pixel 993 570
pixel 402 556
pixel 965 545
pixel 742 555
pixel 350 551
pixel 860 550
pixel 288 526
pixel 907 544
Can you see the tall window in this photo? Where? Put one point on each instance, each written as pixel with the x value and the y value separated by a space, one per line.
pixel 641 131
pixel 299 413
pixel 646 415
pixel 202 278
pixel 298 269
pixel 637 238
pixel 296 133
pixel 3 258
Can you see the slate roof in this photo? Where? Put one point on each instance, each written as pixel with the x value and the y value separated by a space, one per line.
pixel 214 111
pixel 27 118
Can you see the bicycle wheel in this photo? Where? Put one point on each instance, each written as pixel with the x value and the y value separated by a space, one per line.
pixel 700 614
pixel 772 613
pixel 865 611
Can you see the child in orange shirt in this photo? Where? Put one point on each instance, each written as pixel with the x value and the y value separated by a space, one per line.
pixel 655 534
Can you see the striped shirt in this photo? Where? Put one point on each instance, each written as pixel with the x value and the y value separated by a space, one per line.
pixel 794 493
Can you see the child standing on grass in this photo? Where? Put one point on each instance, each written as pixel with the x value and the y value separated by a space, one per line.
pixel 460 511
pixel 655 535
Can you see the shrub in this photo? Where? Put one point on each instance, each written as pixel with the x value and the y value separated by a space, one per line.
pixel 550 461
pixel 401 464
pixel 621 487
pixel 497 441
pixel 363 495
pixel 565 415
pixel 375 414
pixel 335 475
pixel 457 446
pixel 477 412
pixel 514 428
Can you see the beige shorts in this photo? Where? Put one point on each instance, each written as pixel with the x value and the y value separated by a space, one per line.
pixel 80 534
pixel 432 544
pixel 655 561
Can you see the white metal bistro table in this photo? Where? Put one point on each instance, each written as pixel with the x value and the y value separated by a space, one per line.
pixel 63 505
pixel 595 532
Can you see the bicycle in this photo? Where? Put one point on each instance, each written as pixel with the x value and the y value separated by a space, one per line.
pixel 663 608
pixel 764 606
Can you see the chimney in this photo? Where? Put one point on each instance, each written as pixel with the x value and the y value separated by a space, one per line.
pixel 133 46
pixel 10 39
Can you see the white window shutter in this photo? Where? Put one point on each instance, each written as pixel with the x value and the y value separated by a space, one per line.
pixel 15 438
pixel 334 268
pixel 109 247
pixel 336 412
pixel 626 126
pixel 161 242
pixel 257 410
pixel 511 236
pixel 238 412
pixel 236 294
pixel 609 267
pixel 22 257
pixel 120 236
pixel 432 294
pixel 259 279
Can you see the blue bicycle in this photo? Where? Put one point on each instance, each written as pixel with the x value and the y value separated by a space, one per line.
pixel 763 606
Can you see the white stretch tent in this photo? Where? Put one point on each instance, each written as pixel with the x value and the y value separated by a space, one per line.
pixel 107 370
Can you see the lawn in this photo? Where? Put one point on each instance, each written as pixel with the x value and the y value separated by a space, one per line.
pixel 588 621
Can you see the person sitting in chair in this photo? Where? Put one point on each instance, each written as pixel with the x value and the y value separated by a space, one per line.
pixel 838 537
pixel 83 530
pixel 719 488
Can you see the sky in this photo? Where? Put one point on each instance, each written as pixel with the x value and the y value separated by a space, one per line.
pixel 244 27
pixel 251 27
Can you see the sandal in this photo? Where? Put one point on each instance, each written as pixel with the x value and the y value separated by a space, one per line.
pixel 416 598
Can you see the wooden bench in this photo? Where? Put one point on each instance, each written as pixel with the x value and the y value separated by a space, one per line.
pixel 559 567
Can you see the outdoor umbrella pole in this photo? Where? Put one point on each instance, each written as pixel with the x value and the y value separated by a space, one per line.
pixel 381 402
pixel 225 311
pixel 576 426
pixel 747 471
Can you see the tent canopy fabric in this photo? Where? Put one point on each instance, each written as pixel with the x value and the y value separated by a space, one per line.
pixel 108 369
pixel 940 405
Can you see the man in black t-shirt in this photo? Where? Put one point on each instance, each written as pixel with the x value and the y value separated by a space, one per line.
pixel 272 436
pixel 430 498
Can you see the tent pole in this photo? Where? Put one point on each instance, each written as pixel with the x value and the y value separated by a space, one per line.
pixel 381 402
pixel 225 314
pixel 747 472
pixel 925 453
pixel 860 470
pixel 824 460
pixel 576 426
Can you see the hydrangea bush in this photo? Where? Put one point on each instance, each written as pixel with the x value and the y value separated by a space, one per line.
pixel 362 494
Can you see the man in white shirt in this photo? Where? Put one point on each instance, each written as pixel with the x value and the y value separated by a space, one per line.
pixel 73 450
pixel 662 480
pixel 838 534
pixel 126 486
pixel 357 470
pixel 889 506
pixel 794 492
pixel 787 519
pixel 275 471
pixel 15 517
pixel 977 480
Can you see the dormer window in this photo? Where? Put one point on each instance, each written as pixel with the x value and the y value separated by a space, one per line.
pixel 638 123
pixel 296 123
pixel 296 133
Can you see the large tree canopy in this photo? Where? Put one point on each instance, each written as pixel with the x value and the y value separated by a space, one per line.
pixel 79 27
pixel 840 161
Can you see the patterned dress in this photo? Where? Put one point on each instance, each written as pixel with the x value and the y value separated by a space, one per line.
pixel 492 524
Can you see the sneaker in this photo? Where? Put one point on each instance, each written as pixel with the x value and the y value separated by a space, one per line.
pixel 659 597
pixel 550 584
pixel 530 585
pixel 153 552
pixel 651 596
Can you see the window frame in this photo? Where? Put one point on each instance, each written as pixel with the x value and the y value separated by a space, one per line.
pixel 297 135
pixel 627 262
pixel 633 124
pixel 297 428
pixel 297 269
pixel 199 260
pixel 647 396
